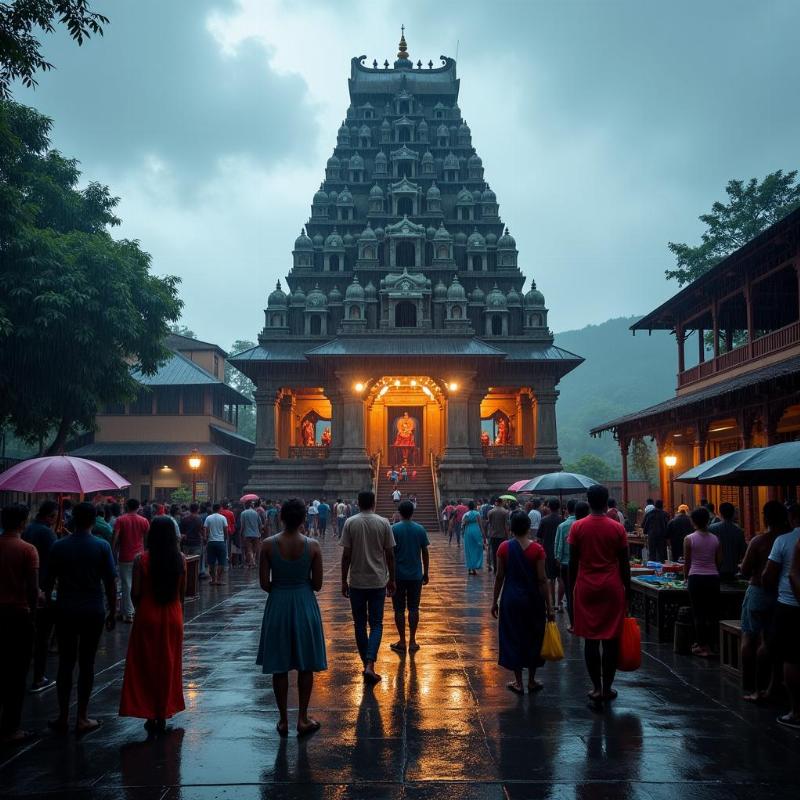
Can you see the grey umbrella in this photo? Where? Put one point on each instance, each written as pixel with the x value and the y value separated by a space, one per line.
pixel 561 482
pixel 778 465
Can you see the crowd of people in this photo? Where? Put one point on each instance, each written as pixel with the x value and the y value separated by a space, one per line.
pixel 97 565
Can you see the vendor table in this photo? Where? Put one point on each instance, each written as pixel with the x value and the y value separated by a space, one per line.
pixel 658 605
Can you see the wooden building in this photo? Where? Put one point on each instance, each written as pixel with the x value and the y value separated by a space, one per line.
pixel 185 406
pixel 743 320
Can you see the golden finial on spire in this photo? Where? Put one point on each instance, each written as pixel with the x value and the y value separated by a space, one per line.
pixel 403 52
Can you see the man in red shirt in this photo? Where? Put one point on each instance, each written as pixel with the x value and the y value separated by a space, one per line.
pixel 455 522
pixel 232 529
pixel 19 592
pixel 130 531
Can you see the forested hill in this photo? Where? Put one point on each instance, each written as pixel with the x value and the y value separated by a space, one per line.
pixel 621 373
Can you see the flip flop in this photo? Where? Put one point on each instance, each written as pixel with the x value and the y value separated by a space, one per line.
pixel 312 728
pixel 513 687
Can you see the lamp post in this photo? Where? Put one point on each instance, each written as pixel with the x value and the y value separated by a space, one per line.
pixel 670 460
pixel 194 464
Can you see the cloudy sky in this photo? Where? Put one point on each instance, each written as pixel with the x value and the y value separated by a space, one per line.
pixel 605 127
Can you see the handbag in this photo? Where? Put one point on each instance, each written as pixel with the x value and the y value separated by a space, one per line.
pixel 630 646
pixel 552 649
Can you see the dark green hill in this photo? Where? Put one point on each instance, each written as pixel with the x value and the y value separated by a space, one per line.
pixel 622 373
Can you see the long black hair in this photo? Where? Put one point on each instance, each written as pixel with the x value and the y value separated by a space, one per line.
pixel 166 561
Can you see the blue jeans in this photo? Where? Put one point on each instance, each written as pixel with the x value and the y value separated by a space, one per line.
pixel 367 605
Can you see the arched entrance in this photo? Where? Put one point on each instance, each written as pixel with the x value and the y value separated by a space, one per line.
pixel 405 418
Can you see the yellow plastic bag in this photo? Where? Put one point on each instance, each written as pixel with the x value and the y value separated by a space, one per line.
pixel 552 649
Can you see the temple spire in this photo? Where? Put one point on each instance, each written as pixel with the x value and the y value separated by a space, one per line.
pixel 403 47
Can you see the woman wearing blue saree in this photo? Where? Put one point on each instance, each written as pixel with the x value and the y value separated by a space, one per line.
pixel 474 539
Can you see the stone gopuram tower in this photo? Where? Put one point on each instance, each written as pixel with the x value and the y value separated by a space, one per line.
pixel 404 335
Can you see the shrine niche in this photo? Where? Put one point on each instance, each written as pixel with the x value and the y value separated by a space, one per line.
pixel 496 430
pixel 405 435
pixel 315 431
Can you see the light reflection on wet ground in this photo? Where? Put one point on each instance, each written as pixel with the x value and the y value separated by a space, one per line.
pixel 440 725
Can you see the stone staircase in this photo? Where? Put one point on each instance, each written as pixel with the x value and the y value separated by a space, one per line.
pixel 421 486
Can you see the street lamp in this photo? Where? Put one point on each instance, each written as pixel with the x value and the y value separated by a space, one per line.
pixel 194 464
pixel 670 460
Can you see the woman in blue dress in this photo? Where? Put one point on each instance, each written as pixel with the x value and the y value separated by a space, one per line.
pixel 292 638
pixel 474 539
pixel 523 603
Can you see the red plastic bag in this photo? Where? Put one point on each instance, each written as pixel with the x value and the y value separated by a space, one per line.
pixel 630 646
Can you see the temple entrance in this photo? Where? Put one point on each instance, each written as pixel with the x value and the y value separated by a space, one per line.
pixel 405 315
pixel 405 420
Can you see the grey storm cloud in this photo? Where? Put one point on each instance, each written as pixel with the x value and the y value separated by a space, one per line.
pixel 605 126
pixel 156 85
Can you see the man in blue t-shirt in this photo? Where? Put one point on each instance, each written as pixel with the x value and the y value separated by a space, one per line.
pixel 323 515
pixel 411 573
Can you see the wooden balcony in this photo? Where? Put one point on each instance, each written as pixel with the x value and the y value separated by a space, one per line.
pixel 772 342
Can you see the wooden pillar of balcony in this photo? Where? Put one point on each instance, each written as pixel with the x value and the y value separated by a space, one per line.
pixel 701 346
pixel 681 337
pixel 623 449
pixel 715 320
pixel 748 299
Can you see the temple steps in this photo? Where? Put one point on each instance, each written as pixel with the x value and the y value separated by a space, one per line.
pixel 422 486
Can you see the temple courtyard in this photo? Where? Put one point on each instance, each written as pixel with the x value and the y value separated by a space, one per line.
pixel 440 725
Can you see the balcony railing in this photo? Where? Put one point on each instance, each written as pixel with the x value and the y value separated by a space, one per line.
pixel 771 342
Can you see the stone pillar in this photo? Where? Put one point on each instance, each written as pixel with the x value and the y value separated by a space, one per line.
pixel 546 434
pixel 266 396
pixel 286 424
pixel 527 425
pixel 462 466
pixel 348 464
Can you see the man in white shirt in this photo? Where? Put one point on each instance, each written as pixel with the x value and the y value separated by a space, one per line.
pixel 786 636
pixel 368 577
pixel 397 496
pixel 535 516
pixel 341 516
pixel 313 517
pixel 215 528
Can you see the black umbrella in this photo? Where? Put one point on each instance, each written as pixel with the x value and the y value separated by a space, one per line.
pixel 562 482
pixel 778 465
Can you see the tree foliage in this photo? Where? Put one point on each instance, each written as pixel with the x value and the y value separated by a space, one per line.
pixel 592 466
pixel 751 208
pixel 243 384
pixel 643 461
pixel 78 308
pixel 21 24
pixel 182 330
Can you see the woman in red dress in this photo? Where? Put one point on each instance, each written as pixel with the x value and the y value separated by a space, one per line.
pixel 153 685
pixel 599 559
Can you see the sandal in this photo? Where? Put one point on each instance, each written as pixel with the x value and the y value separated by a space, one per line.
pixel 789 721
pixel 513 686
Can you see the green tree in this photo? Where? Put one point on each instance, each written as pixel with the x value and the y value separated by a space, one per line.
pixel 78 308
pixel 182 330
pixel 643 461
pixel 243 384
pixel 23 21
pixel 183 494
pixel 751 208
pixel 592 466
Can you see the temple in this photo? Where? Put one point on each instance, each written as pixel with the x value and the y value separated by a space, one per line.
pixel 405 336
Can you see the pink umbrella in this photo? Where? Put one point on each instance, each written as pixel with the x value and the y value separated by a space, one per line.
pixel 61 475
pixel 515 487
pixel 246 498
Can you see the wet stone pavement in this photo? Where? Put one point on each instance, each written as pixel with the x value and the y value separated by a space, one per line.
pixel 440 725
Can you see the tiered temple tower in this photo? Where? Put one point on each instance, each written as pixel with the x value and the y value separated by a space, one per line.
pixel 404 334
